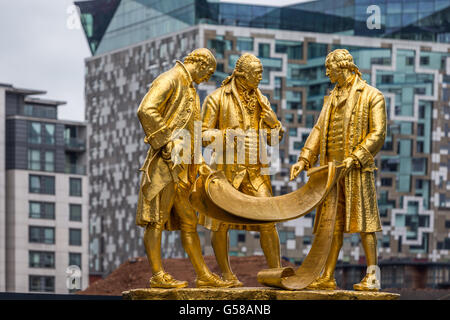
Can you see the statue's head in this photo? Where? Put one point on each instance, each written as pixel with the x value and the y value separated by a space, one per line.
pixel 339 64
pixel 249 70
pixel 204 64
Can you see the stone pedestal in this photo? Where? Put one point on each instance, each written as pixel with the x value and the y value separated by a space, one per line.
pixel 253 294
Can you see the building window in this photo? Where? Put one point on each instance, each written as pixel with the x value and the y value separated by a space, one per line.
pixel 41 184
pixel 41 133
pixel 75 212
pixel 390 165
pixel 75 237
pixel 75 187
pixel 419 184
pixel 35 163
pixel 293 49
pixel 75 259
pixel 422 112
pixel 409 61
pixel 49 133
pixel 316 50
pixel 34 159
pixel 41 259
pixel 42 210
pixel 241 237
pixel 419 147
pixel 244 44
pixel 39 111
pixel 425 60
pixel 387 78
pixel 49 163
pixel 420 129
pixel 386 182
pixel 41 284
pixel 41 235
pixel 34 132
pixel 309 121
pixel 419 164
pixel 264 50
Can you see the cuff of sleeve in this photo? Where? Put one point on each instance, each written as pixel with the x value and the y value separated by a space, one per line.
pixel 308 155
pixel 364 157
pixel 276 126
pixel 307 165
pixel 159 138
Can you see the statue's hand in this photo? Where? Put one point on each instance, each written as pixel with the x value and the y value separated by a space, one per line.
pixel 269 118
pixel 349 162
pixel 297 168
pixel 166 153
pixel 205 170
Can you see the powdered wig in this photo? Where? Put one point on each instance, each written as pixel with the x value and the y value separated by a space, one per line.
pixel 242 67
pixel 343 59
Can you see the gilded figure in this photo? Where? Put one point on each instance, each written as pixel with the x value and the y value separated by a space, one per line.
pixel 239 106
pixel 172 103
pixel 351 129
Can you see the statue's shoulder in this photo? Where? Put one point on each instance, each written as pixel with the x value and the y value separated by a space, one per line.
pixel 217 93
pixel 368 88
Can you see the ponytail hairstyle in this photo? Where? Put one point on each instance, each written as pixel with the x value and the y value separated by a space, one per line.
pixel 343 59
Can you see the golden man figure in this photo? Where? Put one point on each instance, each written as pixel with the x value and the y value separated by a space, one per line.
pixel 238 104
pixel 172 103
pixel 351 129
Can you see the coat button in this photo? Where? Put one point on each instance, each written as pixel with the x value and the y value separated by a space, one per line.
pixel 191 99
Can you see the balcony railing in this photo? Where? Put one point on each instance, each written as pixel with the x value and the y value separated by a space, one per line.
pixel 75 169
pixel 75 144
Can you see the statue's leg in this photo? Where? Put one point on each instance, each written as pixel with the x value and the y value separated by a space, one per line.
pixel 152 243
pixel 369 243
pixel 153 231
pixel 270 244
pixel 336 245
pixel 220 244
pixel 191 241
pixel 269 239
pixel 371 281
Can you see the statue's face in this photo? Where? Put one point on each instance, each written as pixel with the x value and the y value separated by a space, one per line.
pixel 203 74
pixel 333 72
pixel 254 75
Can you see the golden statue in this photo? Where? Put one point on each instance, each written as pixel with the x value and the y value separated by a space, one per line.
pixel 239 106
pixel 351 129
pixel 171 104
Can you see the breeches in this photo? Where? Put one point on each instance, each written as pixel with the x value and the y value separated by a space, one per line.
pixel 174 199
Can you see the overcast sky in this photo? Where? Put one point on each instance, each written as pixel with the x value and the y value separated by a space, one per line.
pixel 42 48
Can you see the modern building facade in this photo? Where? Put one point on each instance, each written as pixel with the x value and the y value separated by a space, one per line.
pixel 43 194
pixel 414 75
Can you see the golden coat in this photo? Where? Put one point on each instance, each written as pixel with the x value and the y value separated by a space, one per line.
pixel 364 134
pixel 223 110
pixel 170 104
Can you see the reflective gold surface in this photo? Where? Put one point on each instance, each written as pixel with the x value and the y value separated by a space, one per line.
pixel 349 132
pixel 170 105
pixel 253 294
pixel 351 128
pixel 234 117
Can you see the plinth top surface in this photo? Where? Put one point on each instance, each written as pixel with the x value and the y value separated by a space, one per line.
pixel 254 293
